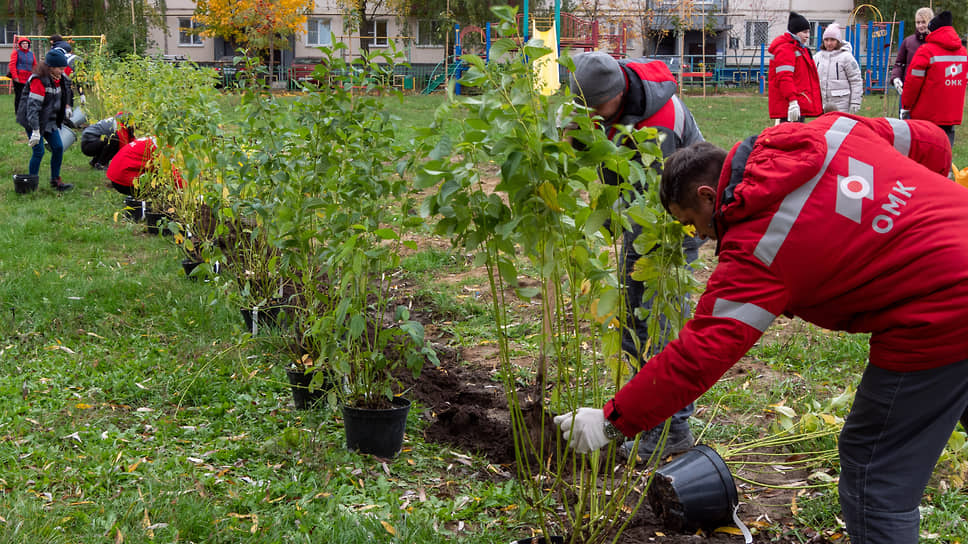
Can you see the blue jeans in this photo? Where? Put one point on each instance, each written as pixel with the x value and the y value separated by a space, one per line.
pixel 634 295
pixel 890 443
pixel 56 154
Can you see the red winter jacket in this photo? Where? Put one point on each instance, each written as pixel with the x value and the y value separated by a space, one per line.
pixel 134 159
pixel 22 63
pixel 832 222
pixel 793 76
pixel 934 89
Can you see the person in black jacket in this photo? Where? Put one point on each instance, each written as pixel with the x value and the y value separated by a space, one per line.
pixel 46 103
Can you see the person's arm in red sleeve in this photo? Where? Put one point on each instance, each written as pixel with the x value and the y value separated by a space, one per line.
pixel 914 81
pixel 12 67
pixel 730 317
pixel 785 61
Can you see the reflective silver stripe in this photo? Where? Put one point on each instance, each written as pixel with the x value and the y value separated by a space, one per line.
pixel 784 68
pixel 949 58
pixel 793 203
pixel 919 73
pixel 744 312
pixel 679 123
pixel 36 96
pixel 902 135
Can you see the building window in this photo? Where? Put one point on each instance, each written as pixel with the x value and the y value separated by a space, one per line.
pixel 429 33
pixel 376 31
pixel 757 32
pixel 318 32
pixel 188 31
pixel 9 32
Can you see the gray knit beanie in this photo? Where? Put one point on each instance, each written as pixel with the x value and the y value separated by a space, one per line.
pixel 597 78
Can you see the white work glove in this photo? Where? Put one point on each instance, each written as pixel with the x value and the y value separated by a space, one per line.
pixel 854 109
pixel 34 138
pixel 68 111
pixel 899 85
pixel 905 114
pixel 82 99
pixel 793 111
pixel 583 429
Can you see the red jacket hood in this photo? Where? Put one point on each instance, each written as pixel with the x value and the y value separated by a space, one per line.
pixel 945 37
pixel 786 37
pixel 782 148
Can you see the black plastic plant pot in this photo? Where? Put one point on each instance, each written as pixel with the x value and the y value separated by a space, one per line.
pixel 24 183
pixel 376 431
pixel 554 539
pixel 258 318
pixel 303 397
pixel 135 209
pixel 189 265
pixel 154 221
pixel 695 490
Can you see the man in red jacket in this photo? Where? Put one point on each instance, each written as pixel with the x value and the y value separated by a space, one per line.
pixel 934 89
pixel 131 161
pixel 848 223
pixel 794 86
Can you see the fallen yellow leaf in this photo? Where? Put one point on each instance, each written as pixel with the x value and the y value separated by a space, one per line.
pixel 389 528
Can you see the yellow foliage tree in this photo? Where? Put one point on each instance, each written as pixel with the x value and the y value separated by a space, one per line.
pixel 260 25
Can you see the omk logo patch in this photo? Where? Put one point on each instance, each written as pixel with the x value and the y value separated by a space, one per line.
pixel 953 70
pixel 853 188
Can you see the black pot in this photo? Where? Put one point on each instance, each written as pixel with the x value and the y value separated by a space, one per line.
pixel 695 490
pixel 374 431
pixel 24 183
pixel 158 223
pixel 304 397
pixel 189 265
pixel 135 209
pixel 259 318
pixel 554 539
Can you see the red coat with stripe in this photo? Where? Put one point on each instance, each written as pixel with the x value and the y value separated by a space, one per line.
pixel 793 76
pixel 934 89
pixel 833 222
pixel 134 159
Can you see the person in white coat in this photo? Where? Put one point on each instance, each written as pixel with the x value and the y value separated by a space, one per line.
pixel 841 82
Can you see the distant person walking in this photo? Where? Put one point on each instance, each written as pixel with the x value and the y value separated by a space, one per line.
pixel 794 86
pixel 841 83
pixel 934 89
pixel 43 108
pixel 909 47
pixel 22 62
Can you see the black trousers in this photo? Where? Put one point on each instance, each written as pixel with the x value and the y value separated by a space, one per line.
pixel 18 89
pixel 897 428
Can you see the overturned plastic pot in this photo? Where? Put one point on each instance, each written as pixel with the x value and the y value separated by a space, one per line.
pixel 695 490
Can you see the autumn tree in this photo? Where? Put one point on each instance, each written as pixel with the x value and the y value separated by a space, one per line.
pixel 259 25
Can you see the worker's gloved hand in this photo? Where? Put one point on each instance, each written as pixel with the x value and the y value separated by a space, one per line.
pixel 905 114
pixel 584 429
pixel 34 138
pixel 854 109
pixel 898 84
pixel 82 99
pixel 68 111
pixel 793 111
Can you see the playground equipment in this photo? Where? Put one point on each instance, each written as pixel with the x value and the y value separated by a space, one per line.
pixel 546 67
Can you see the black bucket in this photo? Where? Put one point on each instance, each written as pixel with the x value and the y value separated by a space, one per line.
pixel 695 490
pixel 25 183
pixel 189 265
pixel 157 223
pixel 135 209
pixel 374 431
pixel 303 397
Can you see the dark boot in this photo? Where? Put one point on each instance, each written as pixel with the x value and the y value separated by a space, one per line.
pixel 58 185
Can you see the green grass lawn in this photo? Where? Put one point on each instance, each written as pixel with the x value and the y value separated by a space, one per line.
pixel 134 409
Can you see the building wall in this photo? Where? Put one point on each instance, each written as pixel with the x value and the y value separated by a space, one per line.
pixel 402 33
